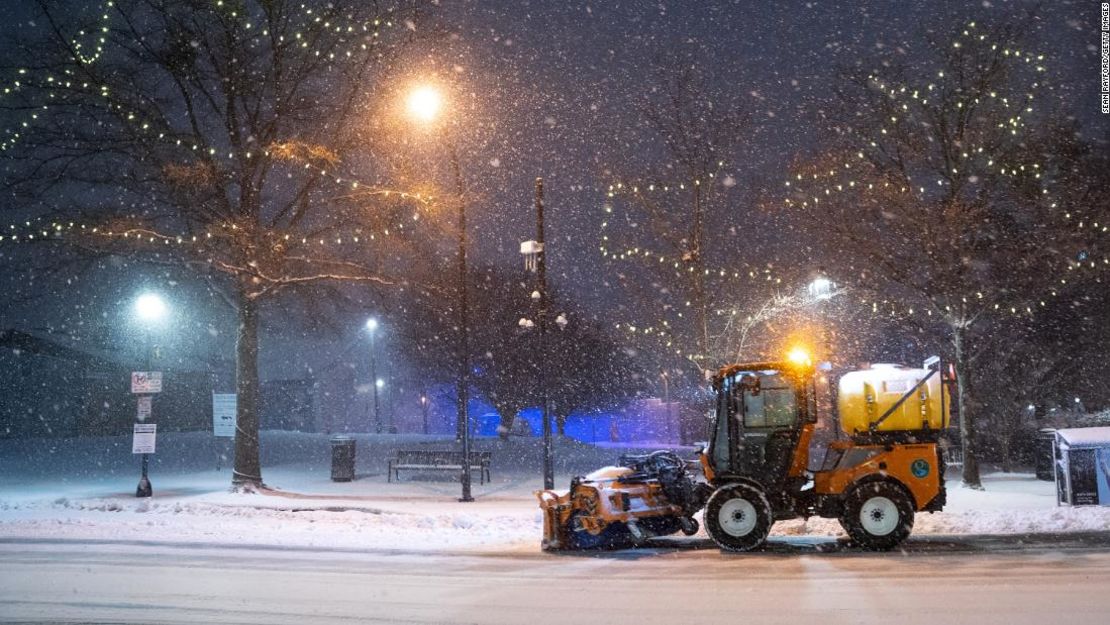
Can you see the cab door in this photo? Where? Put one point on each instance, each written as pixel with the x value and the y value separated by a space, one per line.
pixel 770 428
pixel 759 411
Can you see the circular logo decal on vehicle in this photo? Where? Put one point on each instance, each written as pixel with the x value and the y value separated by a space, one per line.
pixel 919 468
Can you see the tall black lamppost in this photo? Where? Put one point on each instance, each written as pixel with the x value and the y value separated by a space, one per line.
pixel 534 260
pixel 424 104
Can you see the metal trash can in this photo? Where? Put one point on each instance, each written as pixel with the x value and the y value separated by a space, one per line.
pixel 342 458
pixel 1043 456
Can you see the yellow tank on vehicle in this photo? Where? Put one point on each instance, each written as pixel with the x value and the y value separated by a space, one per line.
pixel 865 396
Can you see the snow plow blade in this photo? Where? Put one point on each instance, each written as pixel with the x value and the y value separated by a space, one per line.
pixel 554 526
pixel 622 506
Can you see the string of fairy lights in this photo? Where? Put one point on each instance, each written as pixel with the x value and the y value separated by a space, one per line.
pixel 24 77
pixel 664 333
pixel 314 164
pixel 55 84
pixel 39 229
pixel 677 262
pixel 812 187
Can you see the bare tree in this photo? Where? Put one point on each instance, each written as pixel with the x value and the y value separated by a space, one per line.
pixel 746 328
pixel 672 183
pixel 949 192
pixel 586 370
pixel 217 138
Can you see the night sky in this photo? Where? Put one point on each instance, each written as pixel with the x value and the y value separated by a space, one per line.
pixel 557 83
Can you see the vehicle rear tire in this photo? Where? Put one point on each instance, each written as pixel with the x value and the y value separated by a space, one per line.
pixel 738 517
pixel 877 516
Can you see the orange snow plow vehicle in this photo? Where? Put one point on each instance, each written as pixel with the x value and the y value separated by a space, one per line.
pixel 755 469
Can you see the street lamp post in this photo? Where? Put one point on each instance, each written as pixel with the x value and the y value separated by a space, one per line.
pixel 682 434
pixel 535 261
pixel 149 308
pixel 463 383
pixel 541 279
pixel 379 386
pixel 821 290
pixel 424 411
pixel 371 327
pixel 391 396
pixel 424 104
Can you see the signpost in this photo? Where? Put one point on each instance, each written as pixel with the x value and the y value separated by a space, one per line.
pixel 144 384
pixel 224 406
pixel 143 438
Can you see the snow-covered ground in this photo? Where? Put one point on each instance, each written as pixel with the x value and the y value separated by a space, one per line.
pixel 82 489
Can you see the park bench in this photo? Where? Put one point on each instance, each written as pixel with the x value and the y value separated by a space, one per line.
pixel 438 460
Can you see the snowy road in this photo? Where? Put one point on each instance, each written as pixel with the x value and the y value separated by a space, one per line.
pixel 939 580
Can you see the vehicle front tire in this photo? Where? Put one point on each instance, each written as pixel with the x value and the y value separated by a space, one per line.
pixel 738 517
pixel 877 516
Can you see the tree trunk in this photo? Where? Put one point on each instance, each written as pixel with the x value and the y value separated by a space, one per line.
pixel 700 297
pixel 507 410
pixel 505 425
pixel 701 301
pixel 508 417
pixel 248 468
pixel 967 423
pixel 1007 455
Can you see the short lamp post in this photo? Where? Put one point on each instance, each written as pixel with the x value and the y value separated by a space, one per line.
pixel 149 310
pixel 424 411
pixel 379 388
pixel 371 329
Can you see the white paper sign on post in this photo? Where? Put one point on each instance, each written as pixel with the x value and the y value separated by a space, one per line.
pixel 145 404
pixel 224 406
pixel 142 441
pixel 146 382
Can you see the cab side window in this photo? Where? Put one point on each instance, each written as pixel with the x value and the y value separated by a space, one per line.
pixel 773 407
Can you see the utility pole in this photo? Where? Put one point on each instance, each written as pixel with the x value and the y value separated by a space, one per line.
pixel 541 279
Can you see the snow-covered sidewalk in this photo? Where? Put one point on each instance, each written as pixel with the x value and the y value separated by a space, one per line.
pixel 192 504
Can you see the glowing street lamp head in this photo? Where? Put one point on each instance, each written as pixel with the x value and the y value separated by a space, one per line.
pixel 424 103
pixel 379 383
pixel 821 288
pixel 150 307
pixel 371 324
